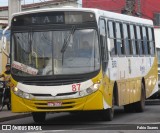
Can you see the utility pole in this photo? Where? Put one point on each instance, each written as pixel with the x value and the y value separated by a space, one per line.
pixel 13 7
pixel 139 8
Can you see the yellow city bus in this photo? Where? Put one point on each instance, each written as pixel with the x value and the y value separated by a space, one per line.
pixel 79 59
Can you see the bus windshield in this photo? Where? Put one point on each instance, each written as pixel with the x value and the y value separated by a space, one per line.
pixel 58 52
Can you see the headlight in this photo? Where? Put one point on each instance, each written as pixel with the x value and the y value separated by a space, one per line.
pixel 1 85
pixel 89 90
pixel 22 94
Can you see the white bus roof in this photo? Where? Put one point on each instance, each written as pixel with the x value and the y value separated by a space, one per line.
pixel 98 12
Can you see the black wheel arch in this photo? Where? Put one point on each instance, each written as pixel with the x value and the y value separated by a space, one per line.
pixel 115 92
pixel 143 82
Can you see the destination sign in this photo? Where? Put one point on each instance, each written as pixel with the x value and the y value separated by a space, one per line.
pixel 53 18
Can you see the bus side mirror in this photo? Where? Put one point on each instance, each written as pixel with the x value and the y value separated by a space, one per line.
pixel 4 42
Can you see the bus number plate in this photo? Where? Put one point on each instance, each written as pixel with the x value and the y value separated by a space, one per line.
pixel 54 104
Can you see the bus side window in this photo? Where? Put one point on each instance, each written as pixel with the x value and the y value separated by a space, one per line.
pixel 134 47
pixel 144 38
pixel 111 31
pixel 104 49
pixel 138 40
pixel 151 41
pixel 126 39
pixel 119 43
pixel 142 42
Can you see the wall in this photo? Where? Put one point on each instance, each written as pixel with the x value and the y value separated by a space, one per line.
pixel 148 7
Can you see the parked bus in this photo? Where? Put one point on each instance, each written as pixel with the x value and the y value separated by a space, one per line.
pixel 68 60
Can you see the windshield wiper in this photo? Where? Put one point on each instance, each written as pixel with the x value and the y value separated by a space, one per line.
pixel 66 41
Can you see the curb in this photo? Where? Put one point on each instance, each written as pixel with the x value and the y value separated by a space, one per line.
pixel 152 102
pixel 18 116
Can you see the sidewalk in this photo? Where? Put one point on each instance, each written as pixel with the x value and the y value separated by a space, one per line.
pixel 6 115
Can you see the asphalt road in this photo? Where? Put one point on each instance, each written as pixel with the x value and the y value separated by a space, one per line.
pixel 122 122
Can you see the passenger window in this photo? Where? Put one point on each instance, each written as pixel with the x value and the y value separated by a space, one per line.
pixel 126 39
pixel 102 27
pixel 119 43
pixel 144 37
pixel 151 41
pixel 133 41
pixel 136 41
pixel 138 38
pixel 111 29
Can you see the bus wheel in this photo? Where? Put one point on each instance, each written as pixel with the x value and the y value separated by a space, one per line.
pixel 129 108
pixel 39 116
pixel 109 113
pixel 8 106
pixel 140 105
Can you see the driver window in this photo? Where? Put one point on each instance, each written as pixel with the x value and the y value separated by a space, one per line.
pixel 103 40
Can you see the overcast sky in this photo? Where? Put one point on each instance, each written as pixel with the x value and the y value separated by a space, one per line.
pixel 5 2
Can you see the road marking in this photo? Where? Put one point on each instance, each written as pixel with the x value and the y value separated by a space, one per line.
pixel 151 123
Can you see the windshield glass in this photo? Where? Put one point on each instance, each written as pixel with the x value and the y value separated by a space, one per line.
pixel 55 52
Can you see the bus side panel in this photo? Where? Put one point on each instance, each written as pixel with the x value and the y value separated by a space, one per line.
pixel 127 90
pixel 151 79
pixel 137 89
pixel 121 94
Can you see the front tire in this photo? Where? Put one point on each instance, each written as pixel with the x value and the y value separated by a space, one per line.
pixel 108 114
pixel 1 102
pixel 9 106
pixel 39 117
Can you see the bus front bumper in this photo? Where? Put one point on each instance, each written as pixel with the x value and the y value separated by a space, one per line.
pixel 93 101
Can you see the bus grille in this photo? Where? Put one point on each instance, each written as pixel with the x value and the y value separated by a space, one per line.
pixel 49 95
pixel 46 103
pixel 66 107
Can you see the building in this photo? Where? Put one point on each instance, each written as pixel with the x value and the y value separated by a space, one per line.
pixel 47 4
pixel 149 9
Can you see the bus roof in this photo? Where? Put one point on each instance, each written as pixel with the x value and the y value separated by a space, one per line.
pixel 98 13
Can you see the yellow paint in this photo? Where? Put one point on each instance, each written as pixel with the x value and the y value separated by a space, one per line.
pixel 127 93
pixel 13 83
pixel 132 92
pixel 18 104
pixel 151 78
pixel 79 104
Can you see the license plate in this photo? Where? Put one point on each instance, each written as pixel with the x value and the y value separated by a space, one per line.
pixel 54 104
